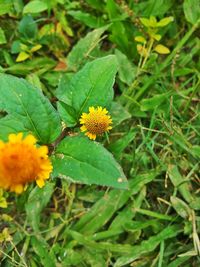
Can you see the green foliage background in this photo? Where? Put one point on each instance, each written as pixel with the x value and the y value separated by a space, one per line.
pixel 57 59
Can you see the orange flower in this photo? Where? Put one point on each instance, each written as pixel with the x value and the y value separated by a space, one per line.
pixel 21 162
pixel 96 122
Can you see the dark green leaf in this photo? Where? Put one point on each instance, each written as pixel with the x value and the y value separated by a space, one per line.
pixel 28 27
pixel 28 105
pixel 92 85
pixel 9 125
pixel 81 160
pixel 67 114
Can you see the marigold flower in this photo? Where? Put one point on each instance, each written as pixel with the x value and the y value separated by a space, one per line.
pixel 22 162
pixel 96 122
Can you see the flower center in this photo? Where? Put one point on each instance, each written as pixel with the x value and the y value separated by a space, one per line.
pixel 96 126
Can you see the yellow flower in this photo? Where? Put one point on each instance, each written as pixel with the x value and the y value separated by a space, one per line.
pixel 96 122
pixel 21 162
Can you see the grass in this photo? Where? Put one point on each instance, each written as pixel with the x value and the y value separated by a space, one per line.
pixel 156 138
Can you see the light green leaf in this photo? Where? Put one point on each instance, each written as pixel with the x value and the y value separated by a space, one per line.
pixel 145 22
pixel 81 160
pixel 35 6
pixel 81 51
pixel 165 21
pixel 6 6
pixel 27 105
pixel 192 10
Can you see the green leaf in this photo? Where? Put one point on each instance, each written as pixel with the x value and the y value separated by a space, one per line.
pixel 183 187
pixel 181 207
pixel 67 114
pixel 145 22
pixel 127 71
pixel 41 248
pixel 2 37
pixel 148 245
pixel 35 6
pixel 86 18
pixel 191 10
pixel 81 51
pixel 118 146
pixel 105 208
pixel 118 113
pixel 153 102
pixel 10 125
pixel 37 201
pixel 28 106
pixel 28 27
pixel 165 21
pixel 80 160
pixel 92 85
pixel 6 6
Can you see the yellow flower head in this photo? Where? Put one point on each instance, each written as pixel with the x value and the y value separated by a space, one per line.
pixel 22 162
pixel 96 122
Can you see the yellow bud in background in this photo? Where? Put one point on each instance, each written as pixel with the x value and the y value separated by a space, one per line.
pixel 161 49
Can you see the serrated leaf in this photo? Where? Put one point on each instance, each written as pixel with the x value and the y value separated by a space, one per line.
pixel 92 85
pixel 161 49
pixel 81 160
pixel 27 104
pixel 35 6
pixel 81 51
